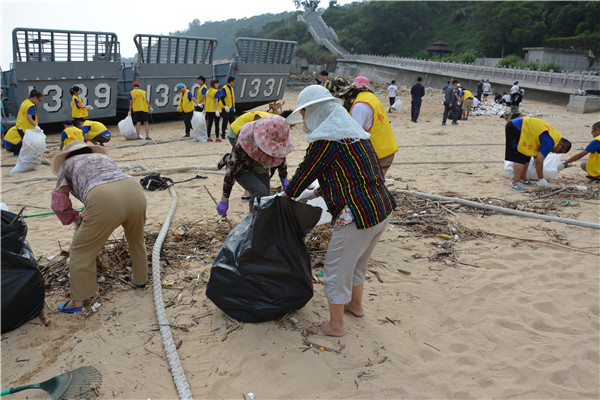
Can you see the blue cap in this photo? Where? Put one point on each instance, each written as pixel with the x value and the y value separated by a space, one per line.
pixel 180 86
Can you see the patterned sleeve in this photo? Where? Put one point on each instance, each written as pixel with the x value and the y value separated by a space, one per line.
pixel 318 156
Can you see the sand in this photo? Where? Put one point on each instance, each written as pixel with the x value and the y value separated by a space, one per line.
pixel 519 321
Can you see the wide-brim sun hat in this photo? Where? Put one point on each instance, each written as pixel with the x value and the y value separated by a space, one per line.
pixel 60 158
pixel 310 95
pixel 267 140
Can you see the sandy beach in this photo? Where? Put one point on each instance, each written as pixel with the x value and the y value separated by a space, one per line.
pixel 506 308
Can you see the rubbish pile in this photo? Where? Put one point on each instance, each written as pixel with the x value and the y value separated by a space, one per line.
pixel 490 108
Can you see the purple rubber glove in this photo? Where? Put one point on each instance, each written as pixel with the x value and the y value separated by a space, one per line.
pixel 284 183
pixel 222 208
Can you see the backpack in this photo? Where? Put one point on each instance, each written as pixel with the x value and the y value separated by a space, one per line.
pixel 156 182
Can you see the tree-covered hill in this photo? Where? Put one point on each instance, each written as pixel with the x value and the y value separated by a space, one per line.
pixel 407 28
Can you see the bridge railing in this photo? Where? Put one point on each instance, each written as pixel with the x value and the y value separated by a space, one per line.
pixel 573 81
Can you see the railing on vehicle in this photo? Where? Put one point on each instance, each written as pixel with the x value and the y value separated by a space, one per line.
pixel 261 68
pixel 31 45
pixel 53 61
pixel 163 62
pixel 156 49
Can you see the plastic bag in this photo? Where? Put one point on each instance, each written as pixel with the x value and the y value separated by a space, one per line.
pixel 32 151
pixel 551 171
pixel 199 127
pixel 127 128
pixel 263 270
pixel 22 282
pixel 397 105
pixel 156 181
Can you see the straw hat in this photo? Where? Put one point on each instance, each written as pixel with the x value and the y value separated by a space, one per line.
pixel 60 158
pixel 310 95
pixel 267 140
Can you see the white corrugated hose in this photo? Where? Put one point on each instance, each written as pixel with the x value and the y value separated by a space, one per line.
pixel 183 389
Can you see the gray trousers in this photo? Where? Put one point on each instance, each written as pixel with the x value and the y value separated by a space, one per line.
pixel 258 185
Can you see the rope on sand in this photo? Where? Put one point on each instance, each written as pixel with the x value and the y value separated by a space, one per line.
pixel 501 209
pixel 183 389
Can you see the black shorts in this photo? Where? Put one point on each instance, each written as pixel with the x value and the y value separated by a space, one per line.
pixel 513 134
pixel 140 116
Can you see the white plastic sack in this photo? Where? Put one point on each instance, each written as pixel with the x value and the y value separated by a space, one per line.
pixel 32 151
pixel 551 171
pixel 397 105
pixel 199 127
pixel 127 128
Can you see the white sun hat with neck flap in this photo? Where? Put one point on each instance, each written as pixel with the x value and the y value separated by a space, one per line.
pixel 310 95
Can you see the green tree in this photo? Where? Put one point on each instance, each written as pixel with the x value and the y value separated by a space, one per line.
pixel 306 4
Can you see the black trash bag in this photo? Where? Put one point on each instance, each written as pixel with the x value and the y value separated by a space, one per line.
pixel 263 270
pixel 155 181
pixel 22 282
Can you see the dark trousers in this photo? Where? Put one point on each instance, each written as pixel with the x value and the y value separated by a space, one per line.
pixel 415 110
pixel 187 120
pixel 210 117
pixel 258 185
pixel 447 109
pixel 392 101
pixel 228 117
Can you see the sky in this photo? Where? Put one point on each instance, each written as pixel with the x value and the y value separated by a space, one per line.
pixel 127 17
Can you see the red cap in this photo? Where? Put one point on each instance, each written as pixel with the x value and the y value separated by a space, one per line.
pixel 136 83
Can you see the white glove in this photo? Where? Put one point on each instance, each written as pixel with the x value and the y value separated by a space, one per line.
pixel 308 194
pixel 37 128
pixel 150 109
pixel 129 113
pixel 89 108
pixel 217 113
pixel 562 166
pixel 201 107
pixel 543 183
pixel 226 109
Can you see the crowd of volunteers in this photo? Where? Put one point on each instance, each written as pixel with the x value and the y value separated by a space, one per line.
pixel 351 146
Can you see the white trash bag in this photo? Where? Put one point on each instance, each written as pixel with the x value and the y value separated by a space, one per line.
pixel 127 128
pixel 32 150
pixel 551 171
pixel 199 133
pixel 397 105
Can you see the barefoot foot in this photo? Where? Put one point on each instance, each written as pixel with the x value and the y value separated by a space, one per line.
pixel 357 312
pixel 324 329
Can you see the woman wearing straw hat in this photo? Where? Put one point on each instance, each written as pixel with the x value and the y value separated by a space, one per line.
pixel 342 158
pixel 112 199
pixel 261 145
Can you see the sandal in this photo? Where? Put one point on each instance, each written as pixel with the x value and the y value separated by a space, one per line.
pixel 72 310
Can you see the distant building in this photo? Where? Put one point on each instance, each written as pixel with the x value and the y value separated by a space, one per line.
pixel 570 60
pixel 438 48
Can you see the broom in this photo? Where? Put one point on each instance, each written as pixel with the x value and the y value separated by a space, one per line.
pixel 82 383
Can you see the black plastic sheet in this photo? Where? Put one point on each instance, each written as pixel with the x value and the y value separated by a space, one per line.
pixel 263 270
pixel 22 282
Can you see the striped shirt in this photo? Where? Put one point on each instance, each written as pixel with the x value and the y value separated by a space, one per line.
pixel 349 175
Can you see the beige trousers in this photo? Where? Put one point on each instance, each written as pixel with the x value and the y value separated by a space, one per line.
pixel 108 206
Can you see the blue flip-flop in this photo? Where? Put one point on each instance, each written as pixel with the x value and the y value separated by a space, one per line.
pixel 61 308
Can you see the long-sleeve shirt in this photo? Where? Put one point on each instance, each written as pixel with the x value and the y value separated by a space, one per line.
pixel 417 91
pixel 349 175
pixel 451 95
pixel 240 161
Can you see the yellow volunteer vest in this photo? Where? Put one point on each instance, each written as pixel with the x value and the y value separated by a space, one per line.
pixel 467 95
pixel 96 128
pixel 593 163
pixel 210 100
pixel 200 95
pixel 138 100
pixel 248 117
pixel 229 99
pixel 326 84
pixel 185 104
pixel 529 142
pixel 22 121
pixel 78 112
pixel 73 134
pixel 382 136
pixel 12 136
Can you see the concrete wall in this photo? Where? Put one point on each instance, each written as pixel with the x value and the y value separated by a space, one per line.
pixel 569 60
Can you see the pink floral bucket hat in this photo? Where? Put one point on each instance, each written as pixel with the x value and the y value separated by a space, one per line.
pixel 267 140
